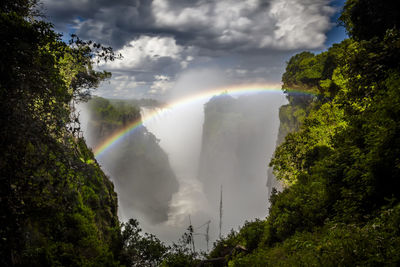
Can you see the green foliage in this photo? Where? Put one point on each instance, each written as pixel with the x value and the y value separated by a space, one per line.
pixel 365 19
pixel 118 113
pixel 251 233
pixel 249 237
pixel 335 244
pixel 223 244
pixel 315 73
pixel 310 143
pixel 319 76
pixel 140 250
pixel 22 7
pixel 182 254
pixel 304 70
pixel 57 206
pixel 291 116
pixel 340 157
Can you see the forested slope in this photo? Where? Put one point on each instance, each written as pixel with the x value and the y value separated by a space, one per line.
pixel 340 206
pixel 57 206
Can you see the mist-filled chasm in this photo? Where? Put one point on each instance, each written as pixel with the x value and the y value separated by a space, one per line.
pixel 175 165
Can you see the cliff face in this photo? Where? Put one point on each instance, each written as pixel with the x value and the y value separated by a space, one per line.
pixel 292 115
pixel 138 166
pixel 236 147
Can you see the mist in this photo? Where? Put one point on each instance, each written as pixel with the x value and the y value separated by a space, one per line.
pixel 137 165
pixel 208 143
pixel 239 136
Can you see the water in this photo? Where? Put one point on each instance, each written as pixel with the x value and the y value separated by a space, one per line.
pixel 237 159
pixel 179 130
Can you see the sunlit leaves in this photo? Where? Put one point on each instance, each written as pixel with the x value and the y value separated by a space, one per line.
pixel 60 211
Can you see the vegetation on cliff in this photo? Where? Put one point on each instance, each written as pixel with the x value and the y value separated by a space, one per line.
pixel 137 163
pixel 57 206
pixel 340 159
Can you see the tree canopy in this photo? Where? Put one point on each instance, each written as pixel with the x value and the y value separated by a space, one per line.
pixel 57 206
pixel 338 153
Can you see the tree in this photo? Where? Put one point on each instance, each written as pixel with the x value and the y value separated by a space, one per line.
pixel 138 249
pixel 365 19
pixel 57 206
pixel 341 159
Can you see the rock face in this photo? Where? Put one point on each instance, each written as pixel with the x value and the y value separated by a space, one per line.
pixel 138 166
pixel 291 117
pixel 239 137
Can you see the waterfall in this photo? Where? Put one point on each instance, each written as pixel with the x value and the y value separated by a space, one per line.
pixel 179 130
pixel 228 143
pixel 241 159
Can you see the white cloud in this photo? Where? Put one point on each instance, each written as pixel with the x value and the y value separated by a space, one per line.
pixel 299 24
pixel 123 86
pixel 160 85
pixel 250 39
pixel 166 15
pixel 145 52
pixel 126 82
pixel 249 24
pixel 185 63
pixel 150 61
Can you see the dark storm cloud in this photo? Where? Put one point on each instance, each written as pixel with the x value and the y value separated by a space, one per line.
pixel 250 39
pixel 109 22
pixel 65 11
pixel 224 25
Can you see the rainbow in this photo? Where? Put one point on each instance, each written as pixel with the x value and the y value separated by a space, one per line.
pixel 232 90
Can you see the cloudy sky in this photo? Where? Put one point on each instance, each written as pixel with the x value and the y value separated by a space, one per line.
pixel 165 41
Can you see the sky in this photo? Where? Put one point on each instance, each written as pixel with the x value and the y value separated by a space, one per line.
pixel 226 42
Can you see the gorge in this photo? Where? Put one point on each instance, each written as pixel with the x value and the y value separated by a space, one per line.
pixel 175 164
